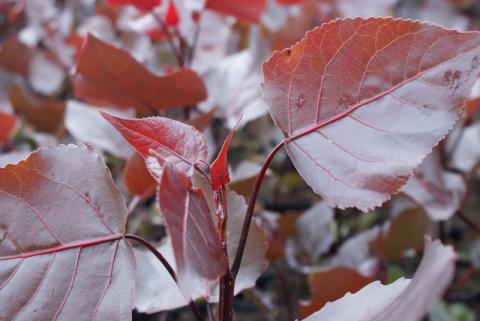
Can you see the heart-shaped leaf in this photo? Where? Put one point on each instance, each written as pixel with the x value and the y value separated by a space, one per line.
pixel 403 300
pixel 62 250
pixel 109 76
pixel 173 141
pixel 362 102
pixel 198 254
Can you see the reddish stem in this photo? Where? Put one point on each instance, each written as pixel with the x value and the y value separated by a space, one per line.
pixel 249 214
pixel 169 36
pixel 167 266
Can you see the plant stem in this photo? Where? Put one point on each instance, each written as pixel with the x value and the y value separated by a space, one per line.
pixel 169 36
pixel 226 281
pixel 251 205
pixel 470 223
pixel 167 266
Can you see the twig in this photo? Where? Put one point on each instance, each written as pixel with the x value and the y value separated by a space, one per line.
pixel 251 205
pixel 469 222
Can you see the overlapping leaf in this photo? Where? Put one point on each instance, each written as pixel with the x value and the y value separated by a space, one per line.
pixel 403 300
pixel 62 252
pixel 362 102
pixel 196 243
pixel 7 126
pixel 173 141
pixel 109 76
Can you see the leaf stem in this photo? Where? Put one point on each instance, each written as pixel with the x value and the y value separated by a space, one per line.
pixel 169 36
pixel 249 214
pixel 167 266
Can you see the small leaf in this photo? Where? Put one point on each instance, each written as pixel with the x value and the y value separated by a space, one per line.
pixel 7 126
pixel 439 192
pixel 196 243
pixel 245 11
pixel 219 167
pixel 403 300
pixel 145 5
pixel 174 141
pixel 330 285
pixel 362 102
pixel 45 114
pixel 137 178
pixel 109 76
pixel 62 251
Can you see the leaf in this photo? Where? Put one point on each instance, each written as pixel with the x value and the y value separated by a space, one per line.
pixel 238 75
pixel 7 126
pixel 101 79
pixel 86 124
pixel 254 261
pixel 45 114
pixel 155 289
pixel 245 11
pixel 312 237
pixel 411 222
pixel 175 142
pixel 330 285
pixel 362 102
pixel 137 178
pixel 145 5
pixel 45 76
pixel 466 155
pixel 403 300
pixel 196 243
pixel 70 261
pixel 439 192
pixel 15 56
pixel 219 167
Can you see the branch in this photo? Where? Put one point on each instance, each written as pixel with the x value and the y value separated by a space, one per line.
pixel 167 266
pixel 251 205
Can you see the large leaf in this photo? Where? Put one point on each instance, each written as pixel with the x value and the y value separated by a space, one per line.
pixel 109 76
pixel 403 300
pixel 174 141
pixel 196 243
pixel 362 102
pixel 62 251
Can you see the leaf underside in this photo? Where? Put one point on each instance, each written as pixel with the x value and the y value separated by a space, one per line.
pixel 362 102
pixel 62 252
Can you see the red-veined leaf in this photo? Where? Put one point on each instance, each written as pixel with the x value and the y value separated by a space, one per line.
pixel 7 126
pixel 110 76
pixel 403 300
pixel 246 10
pixel 174 141
pixel 196 243
pixel 62 251
pixel 362 102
